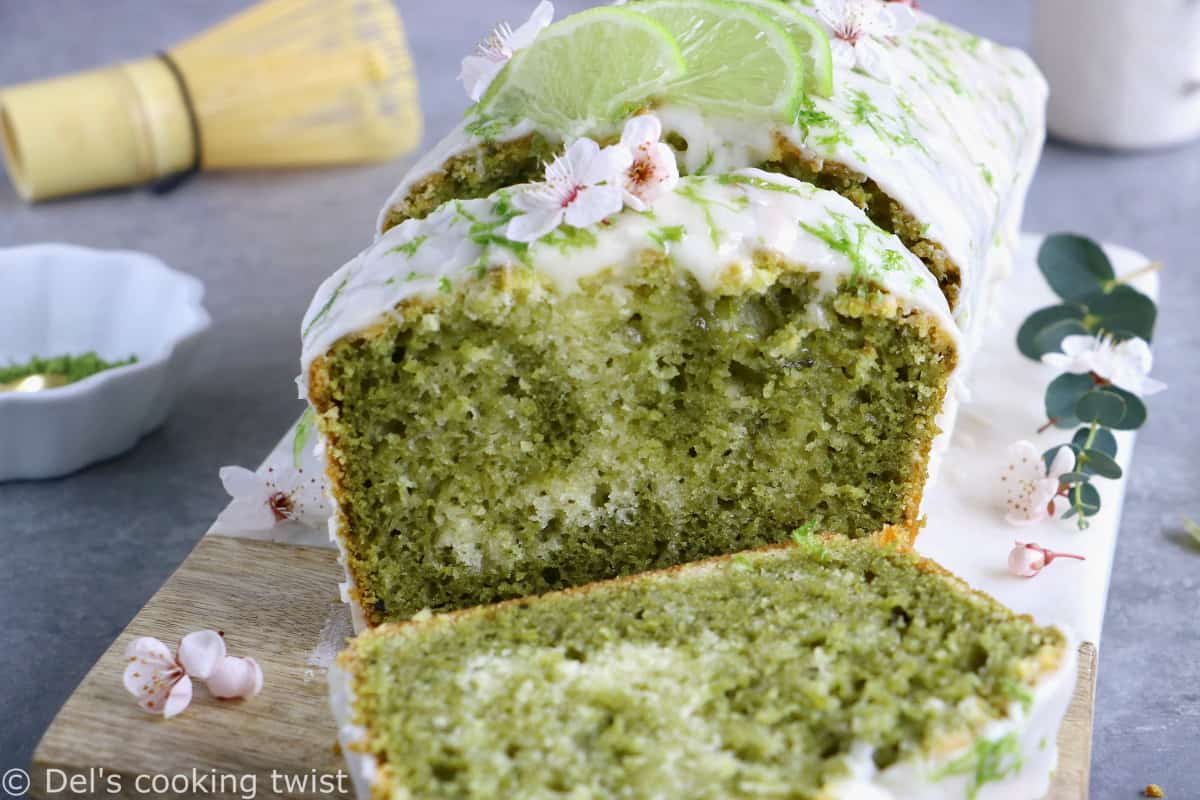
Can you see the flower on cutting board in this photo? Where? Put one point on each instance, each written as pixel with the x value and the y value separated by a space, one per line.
pixel 1035 490
pixel 490 56
pixel 162 682
pixel 857 28
pixel 654 170
pixel 582 187
pixel 274 494
pixel 1027 560
pixel 1125 365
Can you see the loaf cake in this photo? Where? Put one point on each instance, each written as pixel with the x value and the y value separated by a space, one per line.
pixel 827 670
pixel 502 419
pixel 940 151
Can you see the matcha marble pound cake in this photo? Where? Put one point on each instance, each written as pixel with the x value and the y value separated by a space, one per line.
pixel 503 419
pixel 936 143
pixel 829 670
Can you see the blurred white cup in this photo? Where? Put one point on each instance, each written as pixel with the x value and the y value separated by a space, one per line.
pixel 1123 73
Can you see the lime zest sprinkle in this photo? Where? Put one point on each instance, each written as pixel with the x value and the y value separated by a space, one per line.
pixel 667 234
pixel 304 430
pixel 987 762
pixel 802 534
pixel 325 308
pixel 410 247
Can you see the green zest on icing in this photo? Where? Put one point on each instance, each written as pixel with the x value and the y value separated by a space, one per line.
pixel 74 368
pixel 669 233
pixel 851 240
pixel 691 192
pixel 567 238
pixel 410 248
pixel 304 429
pixel 888 127
pixel 485 234
pixel 328 305
pixel 989 761
pixel 765 185
pixel 1019 693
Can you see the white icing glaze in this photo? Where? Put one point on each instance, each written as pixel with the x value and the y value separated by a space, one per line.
pixel 711 228
pixel 953 137
pixel 352 737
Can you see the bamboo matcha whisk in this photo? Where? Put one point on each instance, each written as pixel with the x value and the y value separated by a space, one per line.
pixel 285 83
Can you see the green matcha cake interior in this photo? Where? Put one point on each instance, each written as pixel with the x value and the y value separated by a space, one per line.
pixel 760 675
pixel 501 440
pixel 496 165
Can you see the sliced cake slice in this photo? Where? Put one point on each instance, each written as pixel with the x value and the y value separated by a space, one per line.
pixel 829 670
pixel 503 419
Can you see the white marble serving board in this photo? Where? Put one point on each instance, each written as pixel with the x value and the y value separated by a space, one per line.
pixel 966 531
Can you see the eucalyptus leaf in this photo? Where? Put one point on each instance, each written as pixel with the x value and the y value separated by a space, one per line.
pixel 1070 478
pixel 1074 266
pixel 1045 329
pixel 1063 394
pixel 1085 499
pixel 1100 464
pixel 1122 313
pixel 1101 406
pixel 1103 441
pixel 1135 410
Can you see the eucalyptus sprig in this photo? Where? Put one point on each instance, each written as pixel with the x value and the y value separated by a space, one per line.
pixel 1098 305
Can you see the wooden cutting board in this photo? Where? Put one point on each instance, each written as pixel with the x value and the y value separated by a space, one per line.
pixel 278 603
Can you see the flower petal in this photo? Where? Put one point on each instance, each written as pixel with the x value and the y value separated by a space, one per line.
pixel 534 224
pixel 1064 462
pixel 1150 386
pixel 594 204
pixel 236 677
pixel 667 161
pixel 200 652
pixel 844 56
pixel 642 129
pixel 246 514
pixel 633 201
pixel 241 482
pixel 1023 520
pixel 477 74
pixel 149 650
pixel 538 21
pixel 178 698
pixel 607 166
pixel 578 158
pixel 1077 344
pixel 832 11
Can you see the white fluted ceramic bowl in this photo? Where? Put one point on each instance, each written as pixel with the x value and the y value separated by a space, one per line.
pixel 58 299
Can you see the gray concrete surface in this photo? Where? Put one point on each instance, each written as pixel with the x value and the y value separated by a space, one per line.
pixel 79 556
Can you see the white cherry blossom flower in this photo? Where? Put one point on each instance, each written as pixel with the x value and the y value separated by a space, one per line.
pixel 1033 490
pixel 490 56
pixel 582 187
pixel 235 677
pixel 1027 560
pixel 857 27
pixel 1126 365
pixel 261 500
pixel 162 683
pixel 654 170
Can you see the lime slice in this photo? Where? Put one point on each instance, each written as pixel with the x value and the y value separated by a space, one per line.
pixel 809 36
pixel 739 61
pixel 592 68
